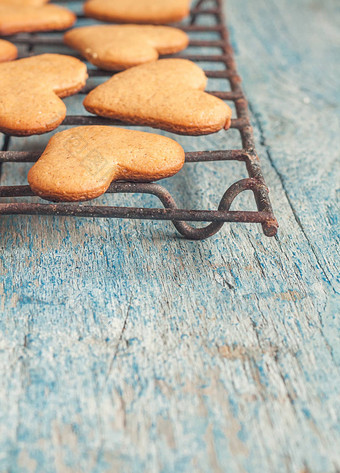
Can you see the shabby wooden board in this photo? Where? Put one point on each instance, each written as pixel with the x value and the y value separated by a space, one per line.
pixel 123 348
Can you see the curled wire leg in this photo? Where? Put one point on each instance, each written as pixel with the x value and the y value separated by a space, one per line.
pixel 188 231
pixel 201 233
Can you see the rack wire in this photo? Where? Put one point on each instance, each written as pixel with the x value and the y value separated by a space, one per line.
pixel 179 216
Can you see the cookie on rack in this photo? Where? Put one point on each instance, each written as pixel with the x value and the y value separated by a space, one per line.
pixel 34 3
pixel 8 51
pixel 154 12
pixel 119 47
pixel 80 163
pixel 31 88
pixel 23 18
pixel 167 94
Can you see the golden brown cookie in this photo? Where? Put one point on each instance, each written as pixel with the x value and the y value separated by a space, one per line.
pixel 30 91
pixel 165 94
pixel 35 3
pixel 138 11
pixel 8 51
pixel 119 47
pixel 27 18
pixel 80 163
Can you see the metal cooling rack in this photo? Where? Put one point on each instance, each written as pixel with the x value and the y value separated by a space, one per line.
pixel 255 182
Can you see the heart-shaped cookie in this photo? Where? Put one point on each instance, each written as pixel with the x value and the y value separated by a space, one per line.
pixel 155 12
pixel 20 18
pixel 166 94
pixel 119 47
pixel 25 2
pixel 80 163
pixel 30 91
pixel 8 51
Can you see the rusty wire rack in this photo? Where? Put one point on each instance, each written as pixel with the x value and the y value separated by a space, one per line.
pixel 179 217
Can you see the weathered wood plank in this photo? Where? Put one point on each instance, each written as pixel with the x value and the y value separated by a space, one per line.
pixel 125 349
pixel 295 97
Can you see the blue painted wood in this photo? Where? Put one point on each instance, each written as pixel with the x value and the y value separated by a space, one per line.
pixel 125 349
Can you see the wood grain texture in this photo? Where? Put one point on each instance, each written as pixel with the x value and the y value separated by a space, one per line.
pixel 125 349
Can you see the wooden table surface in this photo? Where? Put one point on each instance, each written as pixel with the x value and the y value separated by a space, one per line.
pixel 124 348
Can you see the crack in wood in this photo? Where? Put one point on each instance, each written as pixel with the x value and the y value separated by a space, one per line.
pixel 263 143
